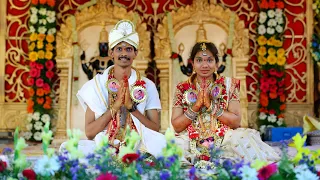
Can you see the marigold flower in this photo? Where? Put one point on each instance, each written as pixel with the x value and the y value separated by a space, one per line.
pixel 273 95
pixel 277 43
pixel 41 37
pixel 271 41
pixel 41 54
pixel 48 55
pixel 282 98
pixel 281 60
pixel 32 46
pixel 262 60
pixel 281 52
pixel 51 3
pixel 33 37
pixel 33 56
pixel 272 59
pixel 40 92
pixel 50 38
pixel 283 107
pixel 40 44
pixel 42 1
pixel 49 47
pixel 40 101
pixel 31 92
pixel 271 51
pixel 262 40
pixel 262 51
pixel 47 106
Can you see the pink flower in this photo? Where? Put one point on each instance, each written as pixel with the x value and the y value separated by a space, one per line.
pixel 34 72
pixel 33 65
pixel 267 171
pixel 40 66
pixel 46 87
pixel 281 83
pixel 264 80
pixel 49 74
pixel 30 81
pixel 107 176
pixel 264 87
pixel 39 82
pixel 279 74
pixel 273 88
pixel 272 111
pixel 272 72
pixel 49 65
pixel 272 80
pixel 264 73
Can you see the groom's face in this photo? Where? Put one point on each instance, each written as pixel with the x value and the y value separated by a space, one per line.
pixel 123 54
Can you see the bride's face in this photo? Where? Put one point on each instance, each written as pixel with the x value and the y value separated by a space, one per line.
pixel 204 64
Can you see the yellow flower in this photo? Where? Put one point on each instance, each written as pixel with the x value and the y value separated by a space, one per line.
pixel 33 36
pixel 41 54
pixel 32 46
pixel 272 59
pixel 41 37
pixel 281 60
pixel 262 51
pixel 50 38
pixel 40 44
pixel 271 51
pixel 33 56
pixel 262 60
pixel 262 40
pixel 48 55
pixel 271 41
pixel 278 43
pixel 281 52
pixel 49 47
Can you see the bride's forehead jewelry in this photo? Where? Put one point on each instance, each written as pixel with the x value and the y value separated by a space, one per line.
pixel 203 48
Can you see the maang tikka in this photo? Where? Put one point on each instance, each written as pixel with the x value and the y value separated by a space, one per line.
pixel 203 48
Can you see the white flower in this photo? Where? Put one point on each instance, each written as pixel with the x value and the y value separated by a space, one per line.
pixel 42 30
pixel 271 13
pixel 278 12
pixel 32 29
pixel 270 30
pixel 45 118
pixel 304 173
pixel 263 129
pixel 46 166
pixel 248 173
pixel 27 135
pixel 279 20
pixel 43 21
pixel 34 10
pixel 261 30
pixel 51 19
pixel 29 117
pixel 262 116
pixel 52 31
pixel 280 121
pixel 262 17
pixel 38 125
pixel 37 136
pixel 279 29
pixel 272 22
pixel 29 127
pixel 272 118
pixel 36 116
pixel 43 11
pixel 51 13
pixel 33 19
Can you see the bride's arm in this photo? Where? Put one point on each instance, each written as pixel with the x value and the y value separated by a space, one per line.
pixel 232 116
pixel 179 121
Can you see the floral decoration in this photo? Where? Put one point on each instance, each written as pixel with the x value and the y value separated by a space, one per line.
pixel 315 44
pixel 42 28
pixel 272 60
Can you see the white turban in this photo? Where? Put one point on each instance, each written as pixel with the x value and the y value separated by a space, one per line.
pixel 124 30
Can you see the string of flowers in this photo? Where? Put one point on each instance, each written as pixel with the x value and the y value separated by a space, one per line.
pixel 42 26
pixel 315 45
pixel 272 59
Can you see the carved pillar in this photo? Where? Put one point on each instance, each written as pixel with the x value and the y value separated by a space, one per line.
pixel 63 110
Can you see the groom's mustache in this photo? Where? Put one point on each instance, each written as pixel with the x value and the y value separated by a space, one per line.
pixel 124 57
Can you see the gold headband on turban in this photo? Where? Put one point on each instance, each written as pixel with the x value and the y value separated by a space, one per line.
pixel 124 31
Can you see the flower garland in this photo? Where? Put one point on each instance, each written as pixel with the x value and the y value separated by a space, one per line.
pixel 315 44
pixel 42 26
pixel 272 59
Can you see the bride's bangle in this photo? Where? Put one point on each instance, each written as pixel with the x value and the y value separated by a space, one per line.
pixel 190 114
pixel 219 113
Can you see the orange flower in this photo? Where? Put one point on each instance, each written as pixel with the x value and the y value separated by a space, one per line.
pixel 33 56
pixel 262 51
pixel 264 101
pixel 31 92
pixel 272 41
pixel 273 95
pixel 42 1
pixel 262 60
pixel 277 43
pixel 40 44
pixel 47 106
pixel 30 109
pixel 41 37
pixel 48 55
pixel 40 101
pixel 48 100
pixel 32 46
pixel 50 38
pixel 49 47
pixel 264 4
pixel 40 92
pixel 30 102
pixel 33 37
pixel 41 54
pixel 282 98
pixel 46 92
pixel 281 116
pixel 51 3
pixel 262 40
pixel 35 2
pixel 283 107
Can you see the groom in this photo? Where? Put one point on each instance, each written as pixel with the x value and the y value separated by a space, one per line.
pixel 109 112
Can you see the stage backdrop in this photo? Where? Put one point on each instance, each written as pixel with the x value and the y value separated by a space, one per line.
pixel 14 49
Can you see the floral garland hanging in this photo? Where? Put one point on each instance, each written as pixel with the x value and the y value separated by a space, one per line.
pixel 315 44
pixel 42 26
pixel 272 59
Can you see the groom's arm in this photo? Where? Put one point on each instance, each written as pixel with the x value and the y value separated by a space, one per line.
pixel 151 120
pixel 92 126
